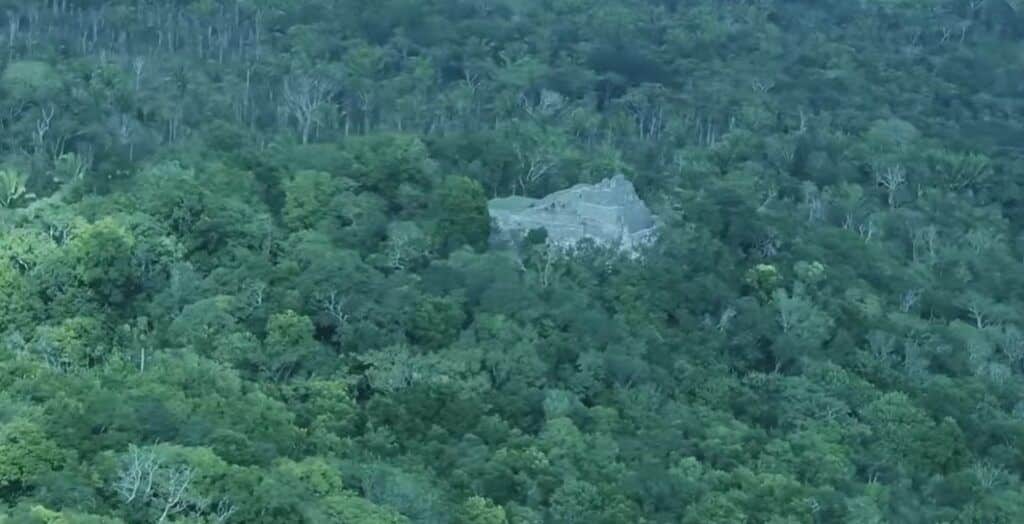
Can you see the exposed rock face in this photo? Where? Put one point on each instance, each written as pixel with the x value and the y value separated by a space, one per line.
pixel 609 213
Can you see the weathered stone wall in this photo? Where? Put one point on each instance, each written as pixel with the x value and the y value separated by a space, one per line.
pixel 609 213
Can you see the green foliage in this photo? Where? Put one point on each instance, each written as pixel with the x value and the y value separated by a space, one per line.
pixel 764 279
pixel 463 220
pixel 960 171
pixel 101 257
pixel 805 327
pixel 19 305
pixel 384 163
pixel 77 343
pixel 308 194
pixel 326 409
pixel 26 452
pixel 41 515
pixel 905 437
pixel 26 80
pixel 357 510
pixel 478 510
pixel 436 322
pixel 247 261
pixel 810 273
pixel 536 237
pixel 204 324
pixel 12 188
pixel 289 343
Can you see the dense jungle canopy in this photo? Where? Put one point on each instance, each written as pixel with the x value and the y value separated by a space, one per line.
pixel 245 274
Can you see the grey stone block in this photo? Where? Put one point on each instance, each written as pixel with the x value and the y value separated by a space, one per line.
pixel 609 213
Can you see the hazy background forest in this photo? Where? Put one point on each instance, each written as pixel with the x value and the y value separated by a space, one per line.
pixel 245 274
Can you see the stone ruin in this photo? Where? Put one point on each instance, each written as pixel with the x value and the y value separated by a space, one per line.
pixel 609 213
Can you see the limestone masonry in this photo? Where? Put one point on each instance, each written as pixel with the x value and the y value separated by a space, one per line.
pixel 610 213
